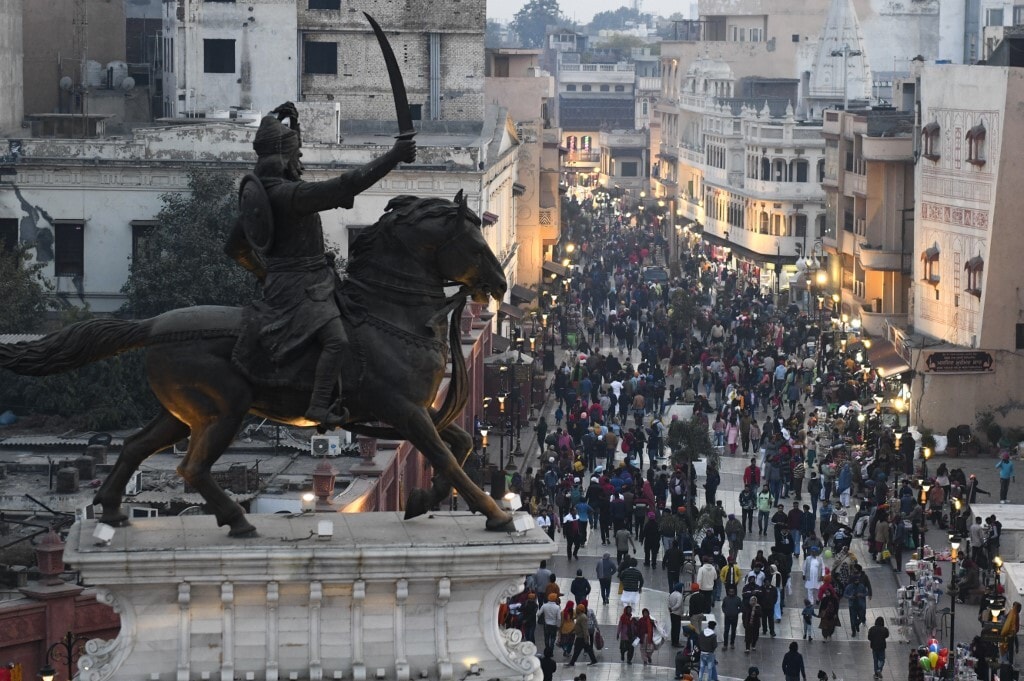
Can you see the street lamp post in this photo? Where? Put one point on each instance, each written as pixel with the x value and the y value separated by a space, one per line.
pixel 846 53
pixel 68 650
pixel 954 544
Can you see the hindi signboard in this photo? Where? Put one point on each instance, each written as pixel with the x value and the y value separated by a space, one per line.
pixel 970 362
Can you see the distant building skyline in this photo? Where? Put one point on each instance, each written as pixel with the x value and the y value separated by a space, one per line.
pixel 583 11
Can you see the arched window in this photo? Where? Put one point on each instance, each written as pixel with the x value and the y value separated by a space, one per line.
pixel 798 170
pixel 779 171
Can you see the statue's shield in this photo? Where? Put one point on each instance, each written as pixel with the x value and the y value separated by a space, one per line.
pixel 255 214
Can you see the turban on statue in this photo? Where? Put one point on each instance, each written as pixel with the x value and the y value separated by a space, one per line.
pixel 274 137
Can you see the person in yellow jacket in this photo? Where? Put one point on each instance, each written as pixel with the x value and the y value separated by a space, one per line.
pixel 731 575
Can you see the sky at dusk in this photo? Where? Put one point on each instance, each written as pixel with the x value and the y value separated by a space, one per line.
pixel 583 10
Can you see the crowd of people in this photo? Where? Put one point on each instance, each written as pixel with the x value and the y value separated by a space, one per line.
pixel 766 382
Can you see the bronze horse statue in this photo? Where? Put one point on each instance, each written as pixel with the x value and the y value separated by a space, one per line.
pixel 397 318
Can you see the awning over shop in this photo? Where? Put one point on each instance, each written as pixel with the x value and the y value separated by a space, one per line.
pixel 511 310
pixel 555 268
pixel 489 218
pixel 884 358
pixel 500 343
pixel 524 294
pixel 518 189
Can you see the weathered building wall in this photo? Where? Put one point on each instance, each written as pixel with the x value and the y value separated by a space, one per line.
pixel 107 184
pixel 265 58
pixel 969 210
pixel 12 103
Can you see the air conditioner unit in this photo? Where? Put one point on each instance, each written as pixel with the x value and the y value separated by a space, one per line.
pixel 134 485
pixel 325 445
pixel 145 512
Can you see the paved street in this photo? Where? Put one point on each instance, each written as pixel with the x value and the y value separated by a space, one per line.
pixel 847 656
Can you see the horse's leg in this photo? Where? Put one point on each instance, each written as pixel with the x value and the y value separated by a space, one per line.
pixel 209 440
pixel 162 431
pixel 421 500
pixel 414 422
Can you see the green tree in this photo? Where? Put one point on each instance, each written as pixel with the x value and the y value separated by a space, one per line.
pixel 614 19
pixel 182 262
pixel 682 312
pixel 26 294
pixel 495 34
pixel 531 22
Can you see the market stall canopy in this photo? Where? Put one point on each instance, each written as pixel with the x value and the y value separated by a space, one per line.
pixel 511 310
pixel 884 358
pixel 556 268
pixel 523 293
pixel 500 343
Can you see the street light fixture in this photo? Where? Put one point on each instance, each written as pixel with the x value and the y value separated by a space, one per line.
pixel 68 650
pixel 954 544
pixel 846 53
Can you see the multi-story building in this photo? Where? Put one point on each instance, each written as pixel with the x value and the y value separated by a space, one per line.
pixel 83 206
pixel 516 81
pixel 12 104
pixel 869 189
pixel 965 350
pixel 73 39
pixel 254 55
pixel 735 160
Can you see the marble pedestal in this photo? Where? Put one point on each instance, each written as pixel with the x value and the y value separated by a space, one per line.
pixel 379 598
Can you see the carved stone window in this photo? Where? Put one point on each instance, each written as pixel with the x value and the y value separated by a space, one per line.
pixel 976 145
pixel 930 141
pixel 975 268
pixel 930 260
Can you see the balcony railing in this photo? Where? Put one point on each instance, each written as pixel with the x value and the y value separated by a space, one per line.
pixel 881 260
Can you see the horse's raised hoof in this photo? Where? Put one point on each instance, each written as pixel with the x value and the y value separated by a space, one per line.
pixel 417 503
pixel 501 523
pixel 241 529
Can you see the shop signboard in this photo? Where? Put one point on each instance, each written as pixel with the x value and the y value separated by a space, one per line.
pixel 960 362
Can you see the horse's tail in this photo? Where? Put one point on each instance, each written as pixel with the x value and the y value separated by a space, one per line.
pixel 74 346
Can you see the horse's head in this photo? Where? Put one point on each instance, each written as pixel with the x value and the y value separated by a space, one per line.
pixel 446 239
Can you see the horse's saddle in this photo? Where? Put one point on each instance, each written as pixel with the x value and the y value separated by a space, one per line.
pixel 252 358
pixel 296 370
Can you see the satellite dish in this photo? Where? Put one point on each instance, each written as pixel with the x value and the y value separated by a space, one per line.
pixel 128 83
pixel 66 83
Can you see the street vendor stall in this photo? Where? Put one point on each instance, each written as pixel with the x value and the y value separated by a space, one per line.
pixel 1011 541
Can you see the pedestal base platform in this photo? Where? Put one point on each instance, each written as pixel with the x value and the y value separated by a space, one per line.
pixel 375 597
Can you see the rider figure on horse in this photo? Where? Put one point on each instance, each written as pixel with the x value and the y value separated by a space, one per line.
pixel 279 237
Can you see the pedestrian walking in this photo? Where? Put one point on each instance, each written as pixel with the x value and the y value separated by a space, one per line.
pixel 626 632
pixel 581 630
pixel 1005 468
pixel 793 664
pixel 877 636
pixel 751 623
pixel 605 571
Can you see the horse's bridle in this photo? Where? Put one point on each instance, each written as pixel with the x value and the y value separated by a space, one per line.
pixel 421 287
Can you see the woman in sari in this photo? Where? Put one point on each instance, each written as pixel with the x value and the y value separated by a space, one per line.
pixel 645 631
pixel 566 637
pixel 625 632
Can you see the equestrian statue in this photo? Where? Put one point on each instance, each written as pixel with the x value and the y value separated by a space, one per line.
pixel 366 353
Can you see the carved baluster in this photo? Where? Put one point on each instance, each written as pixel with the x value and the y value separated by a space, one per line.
pixel 227 600
pixel 316 596
pixel 273 630
pixel 184 630
pixel 445 671
pixel 401 660
pixel 358 603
